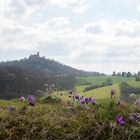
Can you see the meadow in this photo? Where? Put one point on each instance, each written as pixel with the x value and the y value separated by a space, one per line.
pixel 59 117
pixel 101 79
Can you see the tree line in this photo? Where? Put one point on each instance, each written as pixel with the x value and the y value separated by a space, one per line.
pixel 127 74
pixel 15 82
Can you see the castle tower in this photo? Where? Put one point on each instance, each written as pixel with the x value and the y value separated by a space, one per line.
pixel 38 55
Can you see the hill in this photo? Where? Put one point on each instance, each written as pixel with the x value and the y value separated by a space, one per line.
pixel 15 82
pixel 36 63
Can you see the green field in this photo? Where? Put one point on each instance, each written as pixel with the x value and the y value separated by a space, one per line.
pixel 135 84
pixel 101 79
pixel 100 94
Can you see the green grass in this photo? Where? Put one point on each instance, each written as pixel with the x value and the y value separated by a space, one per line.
pixel 101 79
pixel 55 121
pixel 101 95
pixel 135 84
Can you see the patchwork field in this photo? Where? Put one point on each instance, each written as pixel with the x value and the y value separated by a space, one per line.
pixel 102 94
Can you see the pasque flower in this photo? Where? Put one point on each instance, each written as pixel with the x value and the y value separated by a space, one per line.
pixel 21 99
pixel 30 98
pixel 11 108
pixel 120 120
pixel 76 97
pixel 92 101
pixel 87 100
pixel 133 116
pixel 69 104
pixel 137 102
pixel 82 101
pixel 112 92
pixel 32 103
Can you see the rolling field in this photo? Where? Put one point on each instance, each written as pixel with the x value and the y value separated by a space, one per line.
pixel 101 79
pixel 135 84
pixel 102 94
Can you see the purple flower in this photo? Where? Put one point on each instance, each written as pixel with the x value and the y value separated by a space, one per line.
pixel 120 102
pixel 133 116
pixel 112 93
pixel 21 99
pixel 93 102
pixel 32 103
pixel 82 102
pixel 137 102
pixel 87 100
pixel 90 99
pixel 11 108
pixel 69 104
pixel 31 98
pixel 120 120
pixel 76 97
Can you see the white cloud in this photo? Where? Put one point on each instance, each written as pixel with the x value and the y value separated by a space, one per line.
pixel 138 8
pixel 58 21
pixel 59 2
pixel 78 6
pixel 128 28
pixel 80 9
pixel 3 6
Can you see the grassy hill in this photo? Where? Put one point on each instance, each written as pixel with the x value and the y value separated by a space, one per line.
pixel 55 120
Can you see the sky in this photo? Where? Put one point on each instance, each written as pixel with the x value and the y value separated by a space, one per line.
pixel 93 35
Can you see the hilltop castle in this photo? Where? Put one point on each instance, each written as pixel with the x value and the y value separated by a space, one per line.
pixel 34 56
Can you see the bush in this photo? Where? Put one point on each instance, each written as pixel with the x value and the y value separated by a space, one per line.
pixel 137 78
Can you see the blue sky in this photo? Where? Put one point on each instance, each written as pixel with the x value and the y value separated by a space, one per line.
pixel 96 35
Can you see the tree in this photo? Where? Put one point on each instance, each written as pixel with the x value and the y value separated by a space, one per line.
pixel 137 78
pixel 118 74
pixel 114 73
pixel 129 74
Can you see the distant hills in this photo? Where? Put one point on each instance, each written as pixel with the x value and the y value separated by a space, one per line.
pixel 35 63
pixel 30 75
